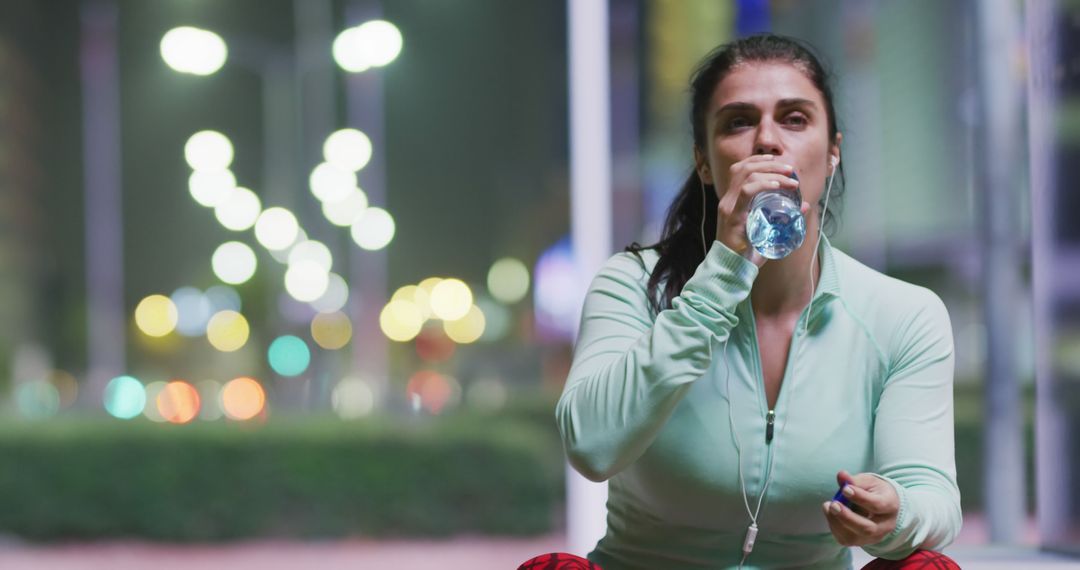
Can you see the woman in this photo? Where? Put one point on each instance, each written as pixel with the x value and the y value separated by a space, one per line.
pixel 724 395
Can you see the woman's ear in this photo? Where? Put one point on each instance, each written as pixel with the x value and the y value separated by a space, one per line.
pixel 834 152
pixel 702 167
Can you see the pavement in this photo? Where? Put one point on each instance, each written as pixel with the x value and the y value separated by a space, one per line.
pixel 471 552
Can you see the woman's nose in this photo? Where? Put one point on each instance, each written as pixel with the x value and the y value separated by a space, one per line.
pixel 766 141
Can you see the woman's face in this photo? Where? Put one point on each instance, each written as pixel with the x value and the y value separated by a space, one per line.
pixel 768 108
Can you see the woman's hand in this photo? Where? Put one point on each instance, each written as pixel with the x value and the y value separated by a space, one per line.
pixel 872 516
pixel 748 177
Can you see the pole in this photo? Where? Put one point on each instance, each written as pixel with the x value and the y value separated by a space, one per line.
pixel 590 212
pixel 999 90
pixel 102 189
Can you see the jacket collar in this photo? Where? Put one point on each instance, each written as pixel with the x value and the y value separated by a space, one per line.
pixel 828 286
pixel 829 280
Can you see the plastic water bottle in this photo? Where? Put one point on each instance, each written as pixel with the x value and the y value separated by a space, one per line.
pixel 775 225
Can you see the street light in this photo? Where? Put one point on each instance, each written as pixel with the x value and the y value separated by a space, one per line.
pixel 208 150
pixel 348 149
pixel 374 43
pixel 371 44
pixel 192 50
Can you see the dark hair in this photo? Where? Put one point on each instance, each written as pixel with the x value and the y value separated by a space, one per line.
pixel 680 246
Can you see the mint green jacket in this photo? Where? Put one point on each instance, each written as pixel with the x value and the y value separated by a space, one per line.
pixel 868 388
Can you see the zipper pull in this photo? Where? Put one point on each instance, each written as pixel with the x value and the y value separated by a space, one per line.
pixel 770 419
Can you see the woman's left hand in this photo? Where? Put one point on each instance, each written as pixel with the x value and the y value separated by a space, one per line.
pixel 872 515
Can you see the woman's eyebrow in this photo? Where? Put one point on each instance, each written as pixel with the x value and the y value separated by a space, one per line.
pixel 796 102
pixel 783 103
pixel 735 106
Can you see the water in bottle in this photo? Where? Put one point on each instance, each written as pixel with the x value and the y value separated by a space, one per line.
pixel 775 225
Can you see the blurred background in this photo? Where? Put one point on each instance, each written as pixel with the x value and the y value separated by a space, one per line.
pixel 295 280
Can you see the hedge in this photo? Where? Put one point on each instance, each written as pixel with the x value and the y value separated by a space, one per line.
pixel 303 477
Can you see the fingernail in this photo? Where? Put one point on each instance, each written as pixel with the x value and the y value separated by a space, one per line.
pixel 835 508
pixel 848 491
pixel 774 183
pixel 825 507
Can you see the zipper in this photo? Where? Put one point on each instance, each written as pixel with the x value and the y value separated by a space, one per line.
pixel 770 415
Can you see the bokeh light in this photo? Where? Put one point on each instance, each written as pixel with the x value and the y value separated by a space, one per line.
pixel 125 397
pixel 208 150
pixel 289 355
pixel 243 398
pixel 335 296
pixel 374 229
pixel 331 330
pixel 347 149
pixel 559 286
pixel 227 331
pixel 276 228
pixel 432 391
pixel 381 42
pixel 193 311
pixel 151 411
pixel 238 210
pixel 348 51
pixel 37 399
pixel 508 280
pixel 311 250
pixel 178 402
pixel 234 262
pixel 353 398
pixel 347 210
pixel 451 299
pixel 417 295
pixel 372 44
pixel 400 320
pixel 156 316
pixel 330 183
pixel 209 187
pixel 306 280
pixel 429 283
pixel 467 329
pixel 282 255
pixel 192 50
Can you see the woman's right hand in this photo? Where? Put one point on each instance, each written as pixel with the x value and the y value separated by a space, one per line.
pixel 746 178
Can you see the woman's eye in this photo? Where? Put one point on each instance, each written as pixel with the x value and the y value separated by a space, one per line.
pixel 795 119
pixel 737 123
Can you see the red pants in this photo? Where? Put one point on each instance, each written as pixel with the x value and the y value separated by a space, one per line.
pixel 919 560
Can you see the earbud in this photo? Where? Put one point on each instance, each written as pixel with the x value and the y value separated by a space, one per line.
pixel 834 161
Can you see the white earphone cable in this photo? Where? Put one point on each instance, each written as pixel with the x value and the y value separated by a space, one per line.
pixel 821 230
pixel 704 247
pixel 751 531
pixel 748 543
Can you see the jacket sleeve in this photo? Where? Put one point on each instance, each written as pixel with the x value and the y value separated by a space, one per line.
pixel 628 371
pixel 913 434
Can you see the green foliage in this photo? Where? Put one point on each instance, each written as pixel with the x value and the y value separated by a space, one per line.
pixel 298 477
pixel 481 473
